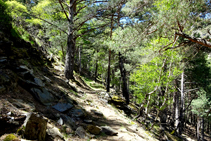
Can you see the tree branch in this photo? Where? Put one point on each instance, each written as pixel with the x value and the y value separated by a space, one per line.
pixel 195 40
pixel 64 10
pixel 44 21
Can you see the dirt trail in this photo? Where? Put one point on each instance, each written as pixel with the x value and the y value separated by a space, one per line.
pixel 127 129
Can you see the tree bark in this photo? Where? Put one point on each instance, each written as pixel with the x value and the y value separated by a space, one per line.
pixel 79 60
pixel 69 59
pixel 202 128
pixel 176 99
pixel 198 127
pixel 109 71
pixel 96 67
pixel 182 105
pixel 208 126
pixel 125 90
pixel 109 59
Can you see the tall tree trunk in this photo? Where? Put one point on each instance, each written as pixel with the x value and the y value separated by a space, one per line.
pixel 125 90
pixel 69 59
pixel 198 127
pixel 176 99
pixel 182 105
pixel 79 60
pixel 208 126
pixel 202 128
pixel 109 58
pixel 109 71
pixel 96 67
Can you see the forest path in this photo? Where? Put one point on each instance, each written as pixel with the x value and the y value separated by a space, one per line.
pixel 127 129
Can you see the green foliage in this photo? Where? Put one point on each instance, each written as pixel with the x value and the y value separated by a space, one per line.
pixel 16 9
pixel 39 9
pixel 153 74
pixel 34 22
pixel 200 104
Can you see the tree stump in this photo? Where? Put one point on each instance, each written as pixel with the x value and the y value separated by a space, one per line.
pixel 36 128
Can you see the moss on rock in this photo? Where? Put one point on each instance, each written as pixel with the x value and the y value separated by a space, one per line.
pixel 10 137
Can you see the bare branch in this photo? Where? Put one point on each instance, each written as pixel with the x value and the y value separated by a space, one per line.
pixel 180 27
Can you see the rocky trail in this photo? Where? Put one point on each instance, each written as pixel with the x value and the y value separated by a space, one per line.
pixel 73 111
pixel 124 128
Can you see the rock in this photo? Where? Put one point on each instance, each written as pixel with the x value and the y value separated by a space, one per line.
pixel 62 107
pixel 23 68
pixel 88 121
pixel 134 127
pixel 59 68
pixel 47 79
pixel 35 127
pixel 54 131
pixel 97 112
pixel 19 103
pixel 39 82
pixel 76 113
pixel 43 96
pixel 108 130
pixel 3 59
pixel 107 96
pixel 11 137
pixel 69 121
pixel 93 129
pixel 81 132
pixel 69 130
pixel 60 121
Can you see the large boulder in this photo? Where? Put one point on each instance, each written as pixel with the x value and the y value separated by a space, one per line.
pixel 43 96
pixel 36 126
pixel 62 107
pixel 76 113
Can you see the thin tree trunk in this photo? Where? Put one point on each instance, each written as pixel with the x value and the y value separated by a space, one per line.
pixel 208 126
pixel 109 71
pixel 96 67
pixel 125 90
pixel 176 98
pixel 202 128
pixel 182 105
pixel 79 60
pixel 109 59
pixel 63 54
pixel 198 127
